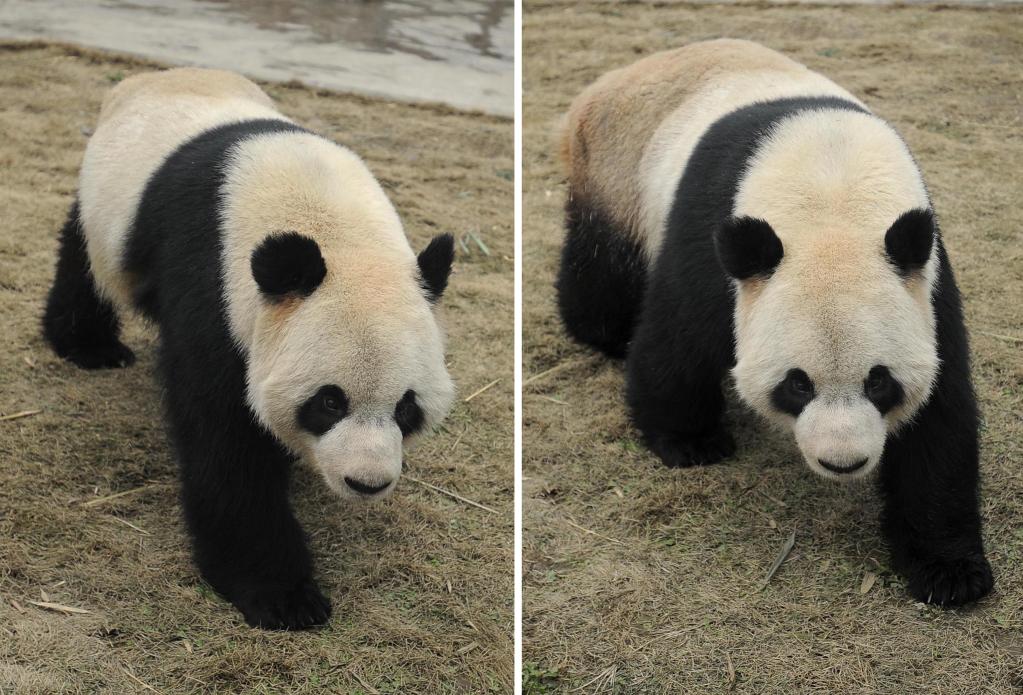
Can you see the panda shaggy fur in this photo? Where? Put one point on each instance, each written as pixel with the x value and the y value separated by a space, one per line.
pixel 731 211
pixel 295 320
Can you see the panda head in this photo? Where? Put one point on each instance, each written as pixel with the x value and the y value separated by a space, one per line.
pixel 346 364
pixel 834 330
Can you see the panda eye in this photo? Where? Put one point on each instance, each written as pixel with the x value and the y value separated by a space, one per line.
pixel 877 382
pixel 324 409
pixel 408 414
pixel 882 389
pixel 793 393
pixel 799 383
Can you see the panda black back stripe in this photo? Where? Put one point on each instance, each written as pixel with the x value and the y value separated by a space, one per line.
pixel 705 196
pixel 704 199
pixel 176 229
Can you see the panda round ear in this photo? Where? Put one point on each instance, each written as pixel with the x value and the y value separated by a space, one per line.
pixel 909 241
pixel 748 247
pixel 435 265
pixel 287 262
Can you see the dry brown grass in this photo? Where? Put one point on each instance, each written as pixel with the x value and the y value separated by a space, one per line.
pixel 664 598
pixel 422 584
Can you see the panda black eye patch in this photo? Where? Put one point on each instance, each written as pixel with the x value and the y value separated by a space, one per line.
pixel 408 414
pixel 793 393
pixel 324 409
pixel 882 389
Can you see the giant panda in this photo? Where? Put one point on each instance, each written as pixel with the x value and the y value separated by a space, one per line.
pixel 731 211
pixel 295 320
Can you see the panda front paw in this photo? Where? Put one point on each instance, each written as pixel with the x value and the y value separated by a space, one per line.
pixel 108 356
pixel 701 450
pixel 949 583
pixel 296 608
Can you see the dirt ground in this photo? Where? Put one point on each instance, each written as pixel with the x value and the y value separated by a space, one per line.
pixel 643 579
pixel 421 584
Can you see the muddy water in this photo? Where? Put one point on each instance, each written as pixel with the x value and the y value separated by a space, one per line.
pixel 458 52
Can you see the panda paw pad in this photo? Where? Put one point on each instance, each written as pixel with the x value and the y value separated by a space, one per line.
pixel 701 450
pixel 950 583
pixel 300 607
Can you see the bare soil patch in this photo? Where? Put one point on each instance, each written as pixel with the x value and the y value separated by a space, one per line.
pixel 642 579
pixel 421 584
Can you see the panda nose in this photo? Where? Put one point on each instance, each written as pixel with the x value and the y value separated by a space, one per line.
pixel 365 488
pixel 835 468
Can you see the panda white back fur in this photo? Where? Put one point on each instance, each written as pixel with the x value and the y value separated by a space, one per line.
pixel 731 211
pixel 295 320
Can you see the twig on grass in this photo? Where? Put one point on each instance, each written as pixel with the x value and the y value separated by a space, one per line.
pixel 868 582
pixel 100 500
pixel 452 494
pixel 59 607
pixel 593 533
pixel 479 391
pixel 458 438
pixel 1008 338
pixel 606 678
pixel 468 648
pixel 479 242
pixel 19 415
pixel 369 688
pixel 138 680
pixel 783 553
pixel 552 370
pixel 128 523
pixel 730 671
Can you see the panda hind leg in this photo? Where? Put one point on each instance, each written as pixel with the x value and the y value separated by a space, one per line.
pixel 79 325
pixel 600 280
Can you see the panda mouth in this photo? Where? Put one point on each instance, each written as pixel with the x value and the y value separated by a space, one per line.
pixel 365 488
pixel 843 469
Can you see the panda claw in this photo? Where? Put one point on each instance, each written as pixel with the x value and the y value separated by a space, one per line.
pixel 951 583
pixel 298 608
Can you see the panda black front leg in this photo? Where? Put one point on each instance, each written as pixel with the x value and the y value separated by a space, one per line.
pixel 247 543
pixel 930 477
pixel 931 516
pixel 234 476
pixel 674 371
pixel 81 326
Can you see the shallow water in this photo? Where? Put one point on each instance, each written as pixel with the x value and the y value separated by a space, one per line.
pixel 457 52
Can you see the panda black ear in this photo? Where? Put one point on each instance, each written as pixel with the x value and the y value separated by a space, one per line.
pixel 435 265
pixel 287 262
pixel 747 246
pixel 909 241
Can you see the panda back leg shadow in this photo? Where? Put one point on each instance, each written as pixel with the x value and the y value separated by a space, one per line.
pixel 600 282
pixel 79 325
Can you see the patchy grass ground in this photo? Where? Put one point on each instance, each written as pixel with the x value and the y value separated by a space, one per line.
pixel 643 579
pixel 422 584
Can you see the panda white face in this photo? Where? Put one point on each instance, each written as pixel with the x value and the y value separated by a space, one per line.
pixel 349 373
pixel 841 350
